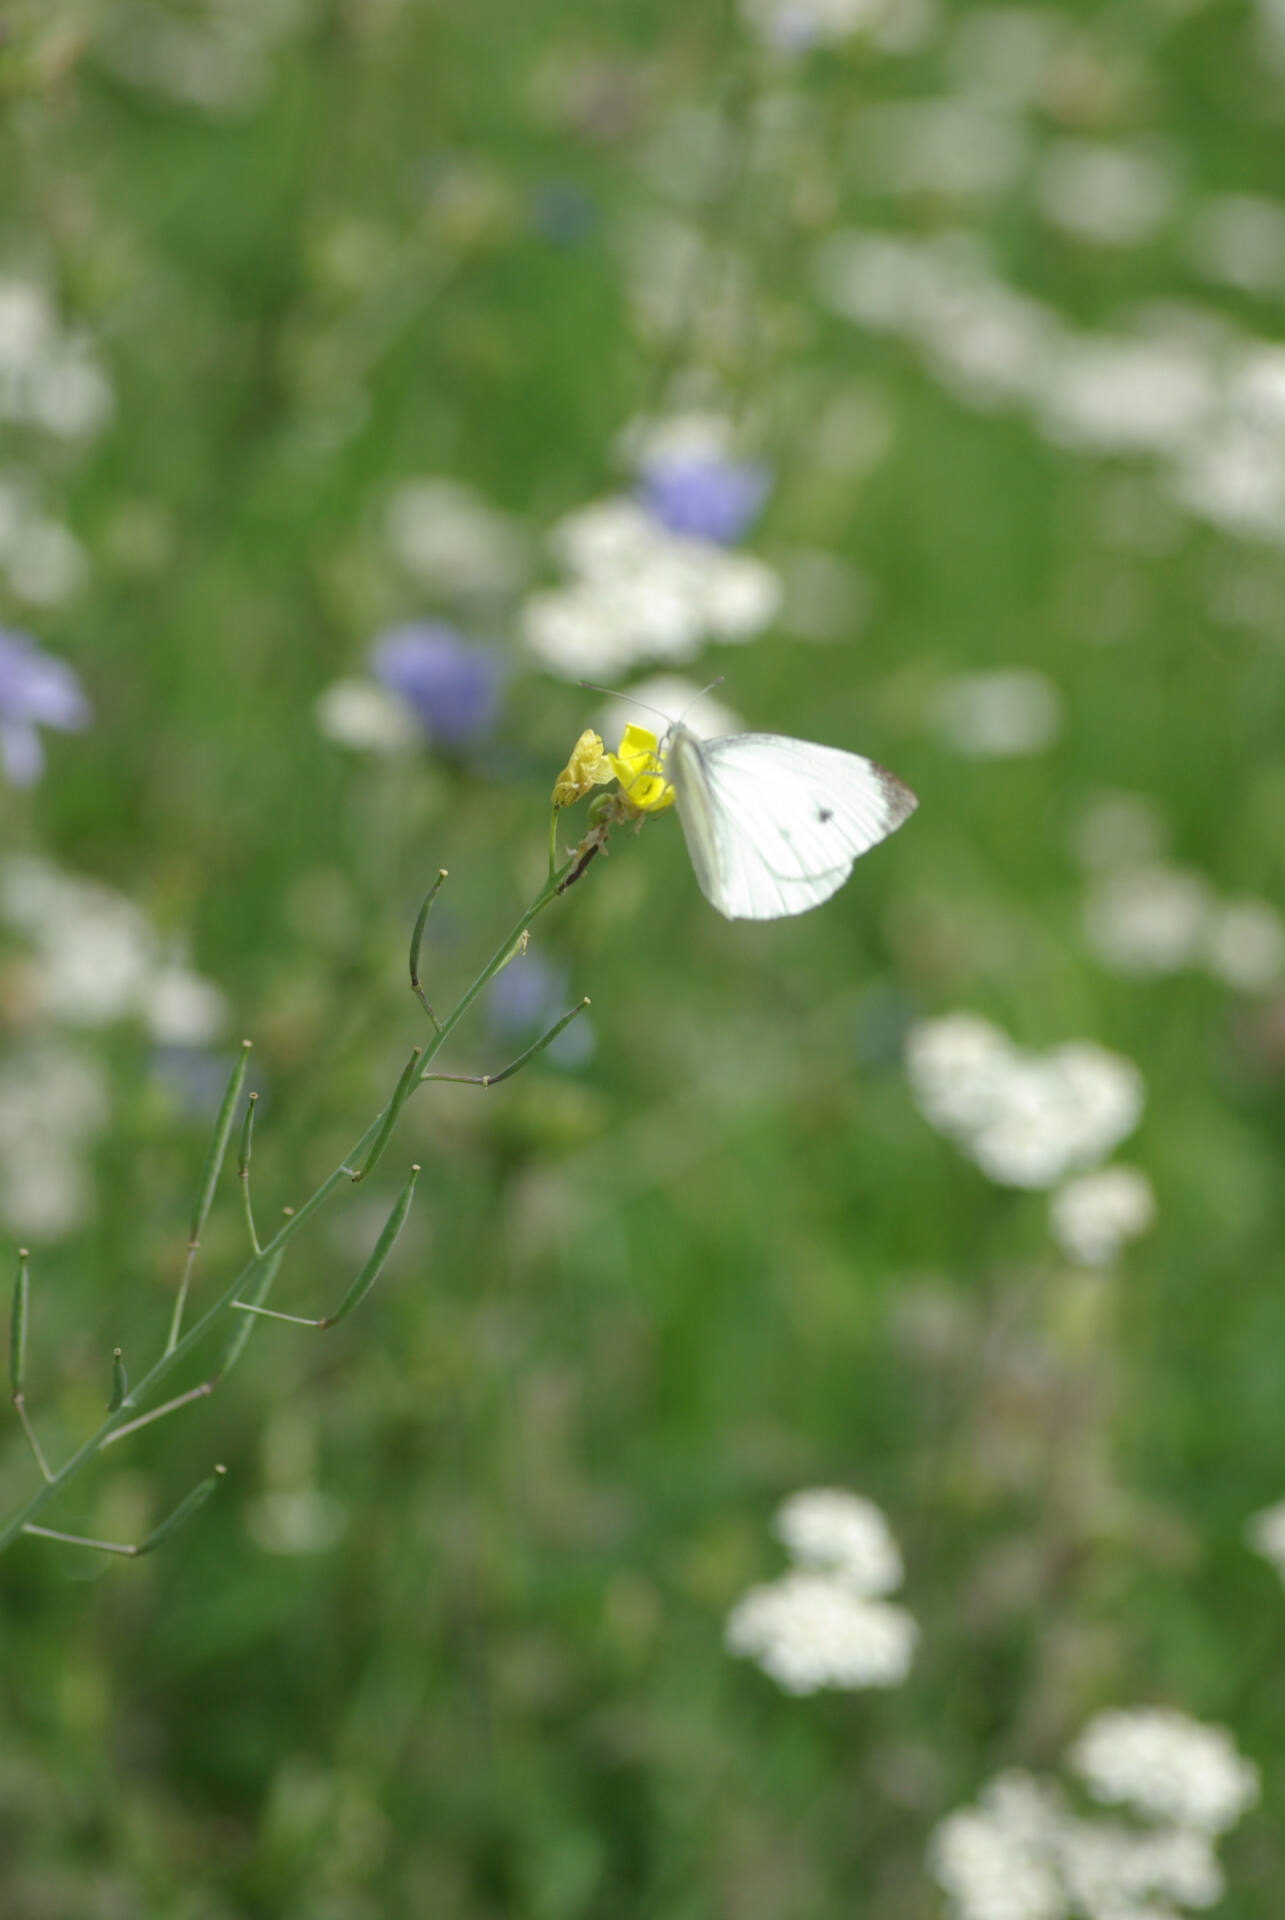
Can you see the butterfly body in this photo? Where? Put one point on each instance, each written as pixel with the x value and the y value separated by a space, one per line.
pixel 773 825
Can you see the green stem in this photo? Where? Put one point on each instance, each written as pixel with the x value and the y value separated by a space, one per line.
pixel 178 1350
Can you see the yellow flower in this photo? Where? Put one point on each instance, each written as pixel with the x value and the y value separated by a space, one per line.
pixel 637 766
pixel 587 768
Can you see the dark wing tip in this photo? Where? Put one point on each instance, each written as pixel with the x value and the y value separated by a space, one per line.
pixel 900 801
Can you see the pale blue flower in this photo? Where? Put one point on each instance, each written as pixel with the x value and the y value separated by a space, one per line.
pixel 35 691
pixel 704 496
pixel 452 685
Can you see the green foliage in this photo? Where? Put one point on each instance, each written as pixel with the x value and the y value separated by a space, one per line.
pixel 449 1640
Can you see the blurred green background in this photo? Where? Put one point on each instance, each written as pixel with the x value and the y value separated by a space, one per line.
pixel 448 1641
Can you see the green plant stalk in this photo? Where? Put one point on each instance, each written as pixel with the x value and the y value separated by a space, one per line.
pixel 250 1273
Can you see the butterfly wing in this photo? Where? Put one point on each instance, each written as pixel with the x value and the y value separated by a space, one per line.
pixel 773 825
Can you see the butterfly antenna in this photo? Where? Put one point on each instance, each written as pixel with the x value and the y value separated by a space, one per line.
pixel 697 698
pixel 614 693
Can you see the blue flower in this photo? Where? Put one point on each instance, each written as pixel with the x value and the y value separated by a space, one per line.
pixel 563 213
pixel 704 496
pixel 452 686
pixel 35 691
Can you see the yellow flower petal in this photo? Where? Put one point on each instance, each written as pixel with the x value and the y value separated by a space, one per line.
pixel 587 768
pixel 638 768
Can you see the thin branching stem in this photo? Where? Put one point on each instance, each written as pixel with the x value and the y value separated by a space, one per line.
pixel 209 1180
pixel 20 1408
pixel 365 1280
pixel 514 1066
pixel 158 1413
pixel 251 1279
pixel 172 1522
pixel 80 1540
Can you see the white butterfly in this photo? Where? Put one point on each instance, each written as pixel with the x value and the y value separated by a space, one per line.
pixel 774 825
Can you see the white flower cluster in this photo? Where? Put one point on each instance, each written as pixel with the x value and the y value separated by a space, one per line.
pixel 97 959
pixel 1105 194
pixel 1027 1119
pixel 1094 1215
pixel 41 558
pixel 451 542
pixel 1166 1766
pixel 995 716
pixel 54 1103
pixel 51 383
pixel 821 1625
pixel 1265 1534
pixel 1183 387
pixel 368 718
pixel 215 56
pixel 640 593
pixel 49 379
pixel 1146 921
pixel 840 1532
pixel 1023 1854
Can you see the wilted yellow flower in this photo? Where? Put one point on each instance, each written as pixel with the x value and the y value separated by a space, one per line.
pixel 637 766
pixel 587 768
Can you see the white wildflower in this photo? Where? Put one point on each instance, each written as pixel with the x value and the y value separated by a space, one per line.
pixel 1022 1853
pixel 607 539
pixel 992 347
pixel 824 598
pixel 1006 52
pixel 451 541
pixel 1265 1534
pixel 69 395
pixel 48 378
pixel 1109 196
pixel 1119 830
pixel 47 564
pixel 1093 1216
pixel 1166 1766
pixel 53 1104
pixel 829 1529
pixel 959 1066
pixel 366 717
pixel 182 1008
pixel 1234 477
pixel 950 147
pixel 809 1631
pixel 991 716
pixel 1026 1119
pixel 98 958
pixel 1127 396
pixel 27 327
pixel 296 1521
pixel 737 594
pixel 1147 921
pixel 879 281
pixel 641 593
pixel 1244 944
pixel 1256 390
pixel 992 1861
pixel 1239 241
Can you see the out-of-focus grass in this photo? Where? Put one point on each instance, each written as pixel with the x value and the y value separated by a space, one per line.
pixel 638 1302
